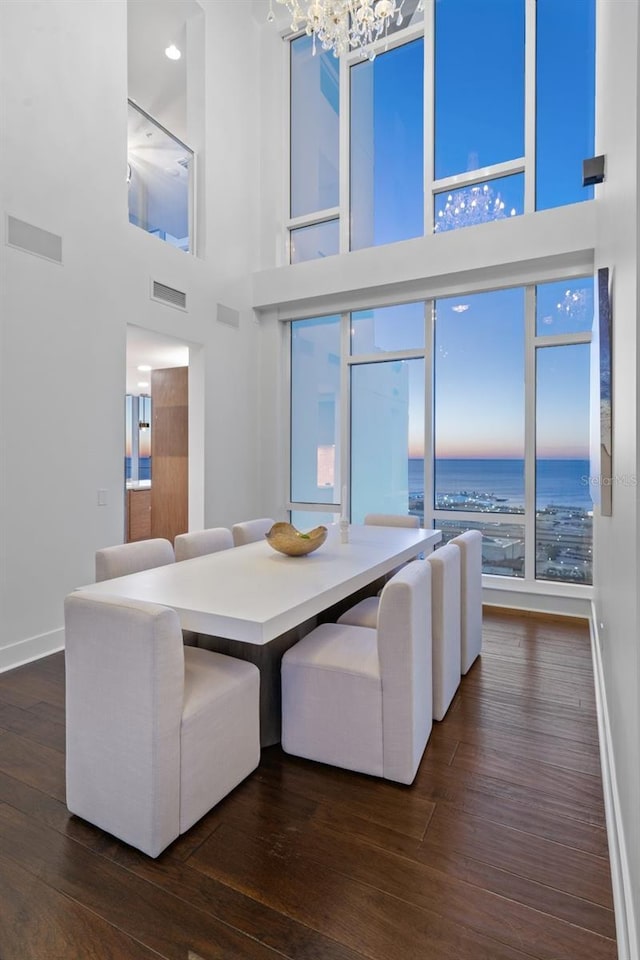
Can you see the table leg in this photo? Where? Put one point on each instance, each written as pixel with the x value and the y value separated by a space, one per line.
pixel 267 658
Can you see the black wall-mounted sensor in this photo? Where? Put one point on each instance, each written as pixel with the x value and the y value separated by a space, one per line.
pixel 592 171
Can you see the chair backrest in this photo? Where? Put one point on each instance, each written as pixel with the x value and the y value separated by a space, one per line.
pixel 404 651
pixel 200 542
pixel 470 546
pixel 250 530
pixel 124 665
pixel 128 558
pixel 445 578
pixel 391 520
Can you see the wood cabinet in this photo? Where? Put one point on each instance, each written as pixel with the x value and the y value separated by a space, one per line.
pixel 170 452
pixel 138 514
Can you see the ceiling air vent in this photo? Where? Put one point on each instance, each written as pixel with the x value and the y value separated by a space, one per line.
pixel 165 294
pixel 34 240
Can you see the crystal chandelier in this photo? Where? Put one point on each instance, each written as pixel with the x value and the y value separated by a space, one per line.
pixel 470 205
pixel 344 25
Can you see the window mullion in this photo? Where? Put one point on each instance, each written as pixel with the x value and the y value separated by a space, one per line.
pixel 473 177
pixel 344 154
pixel 311 219
pixel 429 113
pixel 285 247
pixel 530 434
pixel 385 357
pixel 429 419
pixel 344 470
pixel 561 339
pixel 530 107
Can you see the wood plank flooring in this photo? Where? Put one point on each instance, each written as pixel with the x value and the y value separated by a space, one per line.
pixel 497 852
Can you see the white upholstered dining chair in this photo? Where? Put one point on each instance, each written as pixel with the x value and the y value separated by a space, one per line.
pixel 470 546
pixel 200 542
pixel 391 520
pixel 445 623
pixel 127 558
pixel 361 698
pixel 157 733
pixel 250 531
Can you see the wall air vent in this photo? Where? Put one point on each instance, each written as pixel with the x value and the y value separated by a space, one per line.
pixel 169 295
pixel 228 315
pixel 24 236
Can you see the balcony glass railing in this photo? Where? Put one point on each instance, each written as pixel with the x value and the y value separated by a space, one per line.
pixel 160 178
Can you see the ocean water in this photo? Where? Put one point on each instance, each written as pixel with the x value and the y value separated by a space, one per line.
pixel 560 482
pixel 144 468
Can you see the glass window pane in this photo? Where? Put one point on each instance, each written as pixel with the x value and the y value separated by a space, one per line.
pixel 494 200
pixel 138 420
pixel 158 175
pixel 387 180
pixel 387 432
pixel 479 402
pixel 314 128
pixel 305 520
pixel 479 84
pixel 399 327
pixel 144 437
pixel 565 99
pixel 502 544
pixel 564 307
pixel 563 502
pixel 128 435
pixel 315 410
pixel 316 241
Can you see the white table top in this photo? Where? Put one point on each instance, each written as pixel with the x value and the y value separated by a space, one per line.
pixel 254 594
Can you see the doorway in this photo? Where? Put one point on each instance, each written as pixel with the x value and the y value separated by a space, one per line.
pixel 162 484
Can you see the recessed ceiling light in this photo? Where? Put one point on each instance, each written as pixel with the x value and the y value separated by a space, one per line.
pixel 143 383
pixel 144 368
pixel 172 52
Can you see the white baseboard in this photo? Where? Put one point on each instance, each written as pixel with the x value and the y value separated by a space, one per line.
pixel 626 925
pixel 30 649
pixel 537 602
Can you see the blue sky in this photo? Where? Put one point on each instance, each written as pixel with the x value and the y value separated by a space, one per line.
pixel 479 120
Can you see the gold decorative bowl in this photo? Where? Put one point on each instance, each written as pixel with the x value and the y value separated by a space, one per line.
pixel 284 538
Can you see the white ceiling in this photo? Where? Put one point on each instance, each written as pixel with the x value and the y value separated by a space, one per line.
pixel 154 349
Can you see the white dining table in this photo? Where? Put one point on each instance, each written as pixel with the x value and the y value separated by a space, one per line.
pixel 251 597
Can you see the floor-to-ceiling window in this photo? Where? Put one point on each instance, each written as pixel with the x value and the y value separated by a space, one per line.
pixel 511 414
pixel 315 419
pixel 386 378
pixel 563 528
pixel 479 423
pixel 469 408
pixel 469 412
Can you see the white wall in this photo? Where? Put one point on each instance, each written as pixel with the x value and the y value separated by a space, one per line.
pixel 62 357
pixel 616 537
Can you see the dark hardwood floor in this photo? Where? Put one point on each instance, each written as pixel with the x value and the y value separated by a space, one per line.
pixel 497 852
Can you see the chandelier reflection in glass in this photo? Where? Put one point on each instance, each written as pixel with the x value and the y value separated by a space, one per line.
pixel 470 205
pixel 344 25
